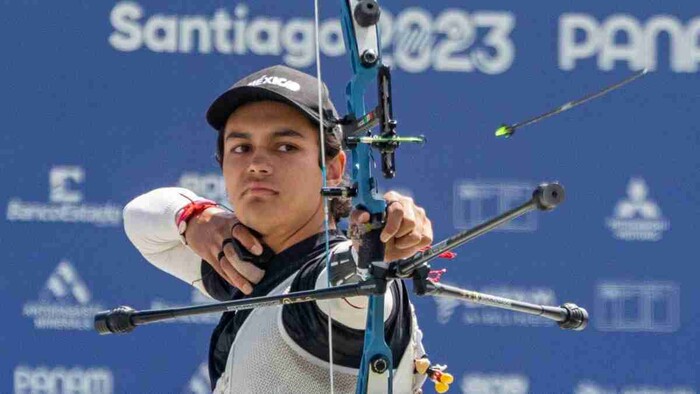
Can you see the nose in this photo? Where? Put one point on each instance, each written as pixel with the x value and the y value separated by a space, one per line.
pixel 260 163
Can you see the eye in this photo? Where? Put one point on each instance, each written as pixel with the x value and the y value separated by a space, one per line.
pixel 287 148
pixel 240 148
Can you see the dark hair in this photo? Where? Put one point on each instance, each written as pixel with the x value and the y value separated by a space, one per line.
pixel 339 207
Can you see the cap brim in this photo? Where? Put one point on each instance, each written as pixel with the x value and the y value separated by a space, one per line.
pixel 220 110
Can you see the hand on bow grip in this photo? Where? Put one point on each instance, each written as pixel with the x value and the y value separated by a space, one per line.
pixel 232 249
pixel 406 230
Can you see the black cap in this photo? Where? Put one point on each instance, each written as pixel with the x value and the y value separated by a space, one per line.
pixel 277 83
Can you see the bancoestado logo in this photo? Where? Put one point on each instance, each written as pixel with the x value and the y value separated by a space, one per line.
pixel 65 302
pixel 478 315
pixel 62 379
pixel 637 217
pixel 582 36
pixel 65 203
pixel 414 40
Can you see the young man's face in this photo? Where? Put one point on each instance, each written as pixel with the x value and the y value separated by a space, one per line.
pixel 271 169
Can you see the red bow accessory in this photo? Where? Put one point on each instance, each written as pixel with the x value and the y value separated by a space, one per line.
pixel 449 255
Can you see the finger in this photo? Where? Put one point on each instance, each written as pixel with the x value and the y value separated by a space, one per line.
pixel 247 239
pixel 237 279
pixel 393 220
pixel 409 240
pixel 217 267
pixel 246 269
pixel 389 248
pixel 421 236
pixel 399 250
pixel 427 233
pixel 397 222
pixel 409 221
pixel 393 253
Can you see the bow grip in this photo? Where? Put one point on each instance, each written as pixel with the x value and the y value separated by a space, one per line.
pixel 371 247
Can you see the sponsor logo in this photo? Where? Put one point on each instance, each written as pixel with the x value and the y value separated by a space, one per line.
pixel 282 82
pixel 197 299
pixel 637 307
pixel 65 203
pixel 590 387
pixel 475 202
pixel 414 40
pixel 210 185
pixel 479 315
pixel 637 217
pixel 65 302
pixel 582 36
pixel 494 383
pixel 199 383
pixel 62 379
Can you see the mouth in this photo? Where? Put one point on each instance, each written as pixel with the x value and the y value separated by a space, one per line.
pixel 259 190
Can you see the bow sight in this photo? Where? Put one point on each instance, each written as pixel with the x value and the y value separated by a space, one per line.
pixel 359 131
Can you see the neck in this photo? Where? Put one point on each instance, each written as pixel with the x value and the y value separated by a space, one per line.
pixel 279 241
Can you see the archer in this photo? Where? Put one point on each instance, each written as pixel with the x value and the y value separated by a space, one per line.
pixel 268 150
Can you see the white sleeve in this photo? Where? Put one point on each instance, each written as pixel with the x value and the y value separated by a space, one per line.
pixel 149 223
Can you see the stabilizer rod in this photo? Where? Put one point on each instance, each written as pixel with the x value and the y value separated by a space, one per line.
pixel 545 198
pixel 569 316
pixel 124 319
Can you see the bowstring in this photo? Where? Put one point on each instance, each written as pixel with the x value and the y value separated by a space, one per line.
pixel 321 133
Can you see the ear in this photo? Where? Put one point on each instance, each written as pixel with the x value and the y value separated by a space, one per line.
pixel 335 169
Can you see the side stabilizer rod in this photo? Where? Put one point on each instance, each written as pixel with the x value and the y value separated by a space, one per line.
pixel 124 319
pixel 569 316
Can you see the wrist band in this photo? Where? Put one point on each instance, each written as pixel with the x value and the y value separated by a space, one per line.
pixel 188 212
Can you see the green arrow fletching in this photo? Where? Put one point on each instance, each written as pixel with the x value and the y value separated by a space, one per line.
pixel 504 130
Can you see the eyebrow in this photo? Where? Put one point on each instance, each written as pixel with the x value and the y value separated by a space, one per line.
pixel 276 134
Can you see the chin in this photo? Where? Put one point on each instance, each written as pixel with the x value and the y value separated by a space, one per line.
pixel 260 217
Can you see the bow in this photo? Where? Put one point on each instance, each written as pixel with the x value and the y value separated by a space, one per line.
pixel 361 35
pixel 360 20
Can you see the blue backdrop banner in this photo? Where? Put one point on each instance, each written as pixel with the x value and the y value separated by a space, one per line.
pixel 103 101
